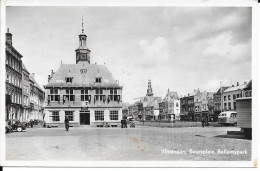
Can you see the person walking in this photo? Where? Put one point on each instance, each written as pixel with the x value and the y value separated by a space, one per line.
pixel 122 123
pixel 66 121
pixel 125 123
pixel 202 121
pixel 31 123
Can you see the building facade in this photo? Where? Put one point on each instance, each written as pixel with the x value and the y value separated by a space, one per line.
pixel 36 100
pixel 13 80
pixel 230 95
pixel 148 106
pixel 26 93
pixel 86 93
pixel 171 105
pixel 218 103
pixel 187 108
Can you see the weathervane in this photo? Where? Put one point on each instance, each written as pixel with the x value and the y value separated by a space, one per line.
pixel 82 25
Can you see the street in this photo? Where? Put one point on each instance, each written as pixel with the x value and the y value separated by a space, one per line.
pixel 140 143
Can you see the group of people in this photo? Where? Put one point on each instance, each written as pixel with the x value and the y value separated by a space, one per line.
pixel 123 123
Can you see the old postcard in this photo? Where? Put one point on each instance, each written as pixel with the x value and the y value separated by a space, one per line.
pixel 129 84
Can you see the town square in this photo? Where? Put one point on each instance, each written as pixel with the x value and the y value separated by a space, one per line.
pixel 128 83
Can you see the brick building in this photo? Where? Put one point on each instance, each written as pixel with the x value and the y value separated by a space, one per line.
pixel 86 93
pixel 13 81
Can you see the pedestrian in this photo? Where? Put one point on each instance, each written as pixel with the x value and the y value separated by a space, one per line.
pixel 122 123
pixel 125 123
pixel 66 121
pixel 31 122
pixel 202 122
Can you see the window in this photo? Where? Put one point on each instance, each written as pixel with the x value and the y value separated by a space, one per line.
pixel 229 105
pixel 177 104
pixel 229 98
pixel 225 106
pixel 68 79
pixel 235 107
pixel 69 95
pixel 113 115
pixel 54 95
pixel 99 115
pixel 70 115
pixel 85 95
pixel 225 98
pixel 98 80
pixel 234 96
pixel 99 95
pixel 55 116
pixel 237 95
pixel 114 95
pixel 233 115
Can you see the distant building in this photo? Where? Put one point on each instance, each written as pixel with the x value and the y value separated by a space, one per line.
pixel 148 106
pixel 218 103
pixel 125 110
pixel 86 93
pixel 229 96
pixel 187 107
pixel 13 81
pixel 247 91
pixel 170 106
pixel 26 93
pixel 36 100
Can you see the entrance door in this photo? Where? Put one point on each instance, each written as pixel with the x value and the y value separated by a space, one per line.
pixel 85 117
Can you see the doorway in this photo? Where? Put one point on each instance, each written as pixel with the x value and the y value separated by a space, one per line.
pixel 84 117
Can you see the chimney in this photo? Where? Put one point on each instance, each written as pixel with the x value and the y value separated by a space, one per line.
pixel 245 82
pixel 33 75
pixel 237 83
pixel 49 77
pixel 188 94
pixel 8 37
pixel 232 85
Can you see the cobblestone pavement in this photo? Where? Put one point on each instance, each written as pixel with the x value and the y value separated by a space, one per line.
pixel 141 143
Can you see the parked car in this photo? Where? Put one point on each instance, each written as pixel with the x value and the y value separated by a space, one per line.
pixel 16 125
pixel 8 128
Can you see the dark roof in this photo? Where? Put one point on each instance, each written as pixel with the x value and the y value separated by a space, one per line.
pixel 248 86
pixel 82 79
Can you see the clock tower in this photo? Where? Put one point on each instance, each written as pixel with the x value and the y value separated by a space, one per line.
pixel 149 89
pixel 82 52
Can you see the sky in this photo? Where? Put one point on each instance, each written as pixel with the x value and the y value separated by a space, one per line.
pixel 178 48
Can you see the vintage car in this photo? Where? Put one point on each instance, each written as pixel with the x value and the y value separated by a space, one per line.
pixel 16 125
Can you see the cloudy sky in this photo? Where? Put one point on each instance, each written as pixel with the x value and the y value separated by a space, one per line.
pixel 180 48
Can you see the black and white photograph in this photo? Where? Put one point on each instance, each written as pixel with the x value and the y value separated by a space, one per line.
pixel 131 85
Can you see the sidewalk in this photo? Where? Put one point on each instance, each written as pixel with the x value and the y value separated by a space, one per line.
pixel 174 124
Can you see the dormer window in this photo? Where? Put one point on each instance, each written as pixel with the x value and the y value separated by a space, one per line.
pixel 98 80
pixel 68 79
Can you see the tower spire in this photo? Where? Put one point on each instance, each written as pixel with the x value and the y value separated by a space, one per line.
pixel 82 25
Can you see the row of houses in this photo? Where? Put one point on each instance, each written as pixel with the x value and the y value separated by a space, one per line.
pixel 209 105
pixel 193 107
pixel 24 97
pixel 150 107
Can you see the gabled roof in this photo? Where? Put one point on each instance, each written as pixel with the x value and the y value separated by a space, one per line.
pixel 81 79
pixel 172 95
